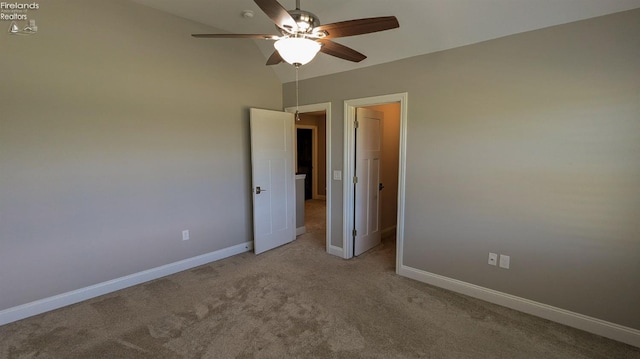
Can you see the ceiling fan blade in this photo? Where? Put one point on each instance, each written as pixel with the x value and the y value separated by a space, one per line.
pixel 278 14
pixel 274 59
pixel 237 36
pixel 334 49
pixel 358 27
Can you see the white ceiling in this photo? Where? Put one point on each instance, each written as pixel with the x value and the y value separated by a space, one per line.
pixel 425 25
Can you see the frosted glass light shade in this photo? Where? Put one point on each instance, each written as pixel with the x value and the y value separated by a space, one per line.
pixel 297 50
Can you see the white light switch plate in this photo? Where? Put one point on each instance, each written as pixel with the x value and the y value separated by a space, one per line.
pixel 337 175
pixel 504 261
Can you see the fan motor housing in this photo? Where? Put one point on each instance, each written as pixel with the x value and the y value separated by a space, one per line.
pixel 306 21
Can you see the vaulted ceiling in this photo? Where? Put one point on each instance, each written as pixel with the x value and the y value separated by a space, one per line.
pixel 425 25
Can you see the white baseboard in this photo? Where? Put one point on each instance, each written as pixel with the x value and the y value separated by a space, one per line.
pixel 606 329
pixel 44 305
pixel 301 230
pixel 336 251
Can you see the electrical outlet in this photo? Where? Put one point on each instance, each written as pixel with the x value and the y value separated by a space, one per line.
pixel 185 235
pixel 505 261
pixel 493 259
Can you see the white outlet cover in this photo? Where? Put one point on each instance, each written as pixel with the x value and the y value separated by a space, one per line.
pixel 493 259
pixel 185 235
pixel 505 261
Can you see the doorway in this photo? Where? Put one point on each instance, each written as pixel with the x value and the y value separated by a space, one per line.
pixel 306 160
pixel 349 202
pixel 315 122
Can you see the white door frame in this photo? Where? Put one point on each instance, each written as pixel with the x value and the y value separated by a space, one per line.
pixel 314 156
pixel 326 107
pixel 349 151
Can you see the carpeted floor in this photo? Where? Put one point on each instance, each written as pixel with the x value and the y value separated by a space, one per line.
pixel 296 302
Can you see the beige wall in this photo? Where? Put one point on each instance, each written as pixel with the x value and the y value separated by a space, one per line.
pixel 527 145
pixel 117 131
pixel 389 166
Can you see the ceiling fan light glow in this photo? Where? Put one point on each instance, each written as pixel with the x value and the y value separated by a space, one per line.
pixel 297 50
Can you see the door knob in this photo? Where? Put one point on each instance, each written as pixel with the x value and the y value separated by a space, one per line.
pixel 259 190
pixel 380 187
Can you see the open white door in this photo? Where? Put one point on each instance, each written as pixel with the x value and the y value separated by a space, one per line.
pixel 367 163
pixel 273 179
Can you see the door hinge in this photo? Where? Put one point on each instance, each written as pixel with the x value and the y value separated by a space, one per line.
pixel 355 232
pixel 356 124
pixel 355 179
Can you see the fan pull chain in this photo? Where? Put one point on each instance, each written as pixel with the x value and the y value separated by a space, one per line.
pixel 297 105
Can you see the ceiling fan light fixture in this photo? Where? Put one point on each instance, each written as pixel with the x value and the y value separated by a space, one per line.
pixel 297 50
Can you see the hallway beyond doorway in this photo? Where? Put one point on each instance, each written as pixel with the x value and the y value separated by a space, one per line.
pixel 315 214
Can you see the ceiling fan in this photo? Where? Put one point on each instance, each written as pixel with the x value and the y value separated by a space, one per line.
pixel 302 35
